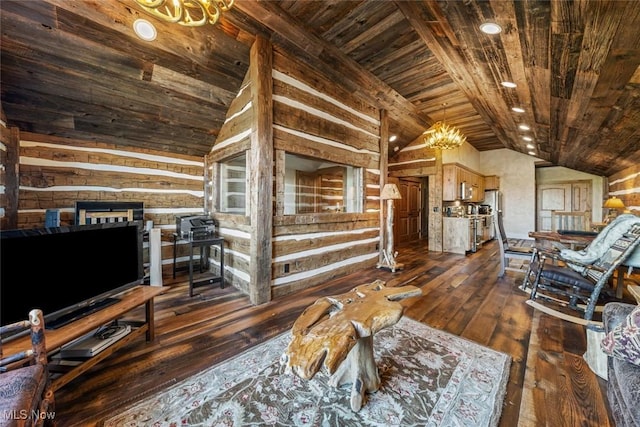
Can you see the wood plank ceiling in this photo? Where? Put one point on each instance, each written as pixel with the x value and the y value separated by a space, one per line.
pixel 76 69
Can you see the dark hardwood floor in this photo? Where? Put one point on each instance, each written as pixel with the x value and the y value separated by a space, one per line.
pixel 550 384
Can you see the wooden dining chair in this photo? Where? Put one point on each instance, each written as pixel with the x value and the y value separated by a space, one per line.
pixel 507 251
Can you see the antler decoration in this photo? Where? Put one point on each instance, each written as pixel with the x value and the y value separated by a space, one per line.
pixel 191 13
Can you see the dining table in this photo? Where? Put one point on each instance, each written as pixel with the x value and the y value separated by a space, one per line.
pixel 574 241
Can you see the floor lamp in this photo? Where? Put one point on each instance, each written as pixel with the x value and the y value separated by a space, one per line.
pixel 389 193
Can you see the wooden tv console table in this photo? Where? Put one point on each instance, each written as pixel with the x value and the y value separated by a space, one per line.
pixel 56 338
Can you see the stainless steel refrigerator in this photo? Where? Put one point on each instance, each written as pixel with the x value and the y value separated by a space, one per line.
pixel 493 198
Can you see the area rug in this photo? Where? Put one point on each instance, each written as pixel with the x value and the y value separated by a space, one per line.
pixel 429 378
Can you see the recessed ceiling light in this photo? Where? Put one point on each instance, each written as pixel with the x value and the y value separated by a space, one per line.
pixel 490 28
pixel 523 127
pixel 508 84
pixel 145 30
pixel 530 146
pixel 392 138
pixel 527 138
pixel 533 153
pixel 518 109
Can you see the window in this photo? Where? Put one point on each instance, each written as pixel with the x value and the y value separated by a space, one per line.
pixel 319 186
pixel 233 185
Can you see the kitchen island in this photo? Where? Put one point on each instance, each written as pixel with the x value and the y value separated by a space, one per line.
pixel 465 234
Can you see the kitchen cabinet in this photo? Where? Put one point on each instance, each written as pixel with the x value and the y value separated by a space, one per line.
pixel 485 228
pixel 466 234
pixel 478 189
pixel 450 183
pixel 456 235
pixel 492 182
pixel 459 183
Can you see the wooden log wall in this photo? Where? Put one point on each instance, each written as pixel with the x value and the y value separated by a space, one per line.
pixel 413 160
pixel 625 185
pixel 312 117
pixel 234 139
pixel 5 169
pixel 315 117
pixel 56 172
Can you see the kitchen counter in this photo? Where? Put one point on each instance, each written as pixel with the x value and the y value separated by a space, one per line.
pixel 479 216
pixel 469 216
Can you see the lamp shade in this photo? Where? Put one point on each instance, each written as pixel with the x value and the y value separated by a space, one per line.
pixel 613 203
pixel 390 191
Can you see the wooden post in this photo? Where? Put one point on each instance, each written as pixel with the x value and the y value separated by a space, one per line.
pixel 261 171
pixel 435 200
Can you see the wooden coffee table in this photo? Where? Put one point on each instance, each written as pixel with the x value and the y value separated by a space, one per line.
pixel 337 332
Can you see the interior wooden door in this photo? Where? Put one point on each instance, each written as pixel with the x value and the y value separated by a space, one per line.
pixel 571 196
pixel 407 211
pixel 581 196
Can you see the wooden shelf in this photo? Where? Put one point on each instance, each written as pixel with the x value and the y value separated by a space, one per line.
pixel 56 338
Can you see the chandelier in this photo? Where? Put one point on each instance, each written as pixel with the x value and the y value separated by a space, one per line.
pixel 191 13
pixel 443 136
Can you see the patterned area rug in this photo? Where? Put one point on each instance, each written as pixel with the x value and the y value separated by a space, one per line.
pixel 429 378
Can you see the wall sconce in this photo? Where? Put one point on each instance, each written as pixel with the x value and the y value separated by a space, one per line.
pixel 389 193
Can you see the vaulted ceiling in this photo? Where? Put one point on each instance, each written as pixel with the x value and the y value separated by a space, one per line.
pixel 76 69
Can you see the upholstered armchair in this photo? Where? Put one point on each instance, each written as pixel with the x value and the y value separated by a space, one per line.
pixel 621 344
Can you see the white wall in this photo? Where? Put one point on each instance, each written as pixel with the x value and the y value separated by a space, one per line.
pixel 558 174
pixel 517 174
pixel 465 155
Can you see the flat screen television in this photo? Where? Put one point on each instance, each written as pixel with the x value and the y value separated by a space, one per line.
pixel 67 271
